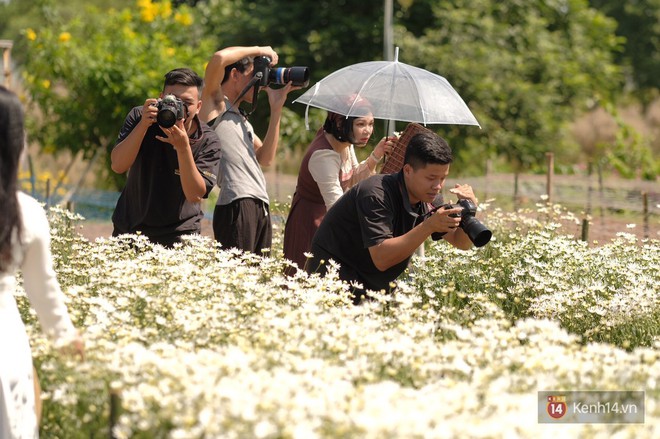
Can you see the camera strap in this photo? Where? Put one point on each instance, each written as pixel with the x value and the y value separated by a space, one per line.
pixel 252 84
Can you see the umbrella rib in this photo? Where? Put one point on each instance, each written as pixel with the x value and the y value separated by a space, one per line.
pixel 414 95
pixel 364 84
pixel 395 65
pixel 417 97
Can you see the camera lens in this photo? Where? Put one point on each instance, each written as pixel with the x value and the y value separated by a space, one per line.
pixel 299 76
pixel 477 232
pixel 166 117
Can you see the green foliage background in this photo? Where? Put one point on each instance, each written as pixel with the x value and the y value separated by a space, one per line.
pixel 84 73
pixel 526 69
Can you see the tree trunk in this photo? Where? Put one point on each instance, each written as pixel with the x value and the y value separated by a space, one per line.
pixel 516 174
pixel 74 189
pixel 60 180
pixel 601 192
pixel 590 190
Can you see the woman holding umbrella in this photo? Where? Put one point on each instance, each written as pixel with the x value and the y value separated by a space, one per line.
pixel 328 169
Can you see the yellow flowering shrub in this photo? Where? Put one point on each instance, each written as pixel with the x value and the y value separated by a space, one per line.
pixel 83 76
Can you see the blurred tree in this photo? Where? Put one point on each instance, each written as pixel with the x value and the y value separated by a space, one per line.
pixel 84 74
pixel 324 35
pixel 524 67
pixel 17 15
pixel 639 22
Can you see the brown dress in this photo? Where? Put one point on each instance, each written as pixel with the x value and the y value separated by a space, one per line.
pixel 308 206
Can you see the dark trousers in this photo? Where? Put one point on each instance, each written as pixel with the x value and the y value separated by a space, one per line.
pixel 244 224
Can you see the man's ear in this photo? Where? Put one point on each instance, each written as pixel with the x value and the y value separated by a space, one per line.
pixel 407 169
pixel 233 73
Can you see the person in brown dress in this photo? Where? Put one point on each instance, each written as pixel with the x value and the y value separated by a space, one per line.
pixel 328 169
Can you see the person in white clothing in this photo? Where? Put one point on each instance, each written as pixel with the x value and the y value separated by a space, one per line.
pixel 25 246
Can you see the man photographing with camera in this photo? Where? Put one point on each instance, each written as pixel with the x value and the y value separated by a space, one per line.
pixel 172 162
pixel 373 229
pixel 241 218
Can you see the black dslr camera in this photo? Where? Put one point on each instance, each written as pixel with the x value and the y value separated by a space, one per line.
pixel 476 231
pixel 299 76
pixel 170 109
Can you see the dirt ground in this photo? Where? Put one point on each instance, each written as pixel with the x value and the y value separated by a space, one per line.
pixel 282 186
pixel 601 232
pixel 92 229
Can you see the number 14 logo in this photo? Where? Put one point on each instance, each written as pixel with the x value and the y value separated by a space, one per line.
pixel 556 407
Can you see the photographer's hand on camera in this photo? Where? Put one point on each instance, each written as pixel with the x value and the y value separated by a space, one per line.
pixel 265 150
pixel 149 112
pixel 176 136
pixel 191 180
pixel 445 220
pixel 457 236
pixel 445 224
pixel 270 53
pixel 124 153
pixel 464 192
pixel 277 96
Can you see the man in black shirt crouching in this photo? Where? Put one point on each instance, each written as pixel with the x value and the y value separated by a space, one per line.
pixel 374 228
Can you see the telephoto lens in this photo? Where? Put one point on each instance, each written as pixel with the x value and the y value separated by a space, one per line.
pixel 298 76
pixel 476 231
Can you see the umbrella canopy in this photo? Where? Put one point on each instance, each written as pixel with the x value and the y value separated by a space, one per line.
pixel 395 91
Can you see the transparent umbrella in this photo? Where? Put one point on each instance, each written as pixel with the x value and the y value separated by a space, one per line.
pixel 396 91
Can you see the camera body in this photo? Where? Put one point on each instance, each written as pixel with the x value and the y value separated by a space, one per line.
pixel 170 109
pixel 298 76
pixel 469 208
pixel 476 231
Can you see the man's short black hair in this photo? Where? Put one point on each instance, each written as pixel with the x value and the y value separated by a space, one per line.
pixel 241 65
pixel 427 148
pixel 184 76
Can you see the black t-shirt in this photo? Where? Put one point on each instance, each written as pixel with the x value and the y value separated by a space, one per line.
pixel 153 201
pixel 372 211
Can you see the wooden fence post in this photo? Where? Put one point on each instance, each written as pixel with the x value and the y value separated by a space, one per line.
pixel 115 407
pixel 47 193
pixel 515 191
pixel 590 190
pixel 645 210
pixel 585 230
pixel 550 157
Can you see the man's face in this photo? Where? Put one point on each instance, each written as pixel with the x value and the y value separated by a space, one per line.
pixel 243 80
pixel 189 94
pixel 426 182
